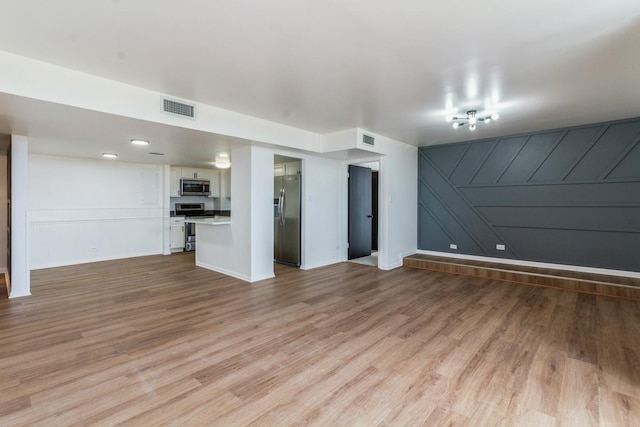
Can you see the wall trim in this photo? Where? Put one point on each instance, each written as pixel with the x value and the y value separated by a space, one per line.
pixel 581 269
pixel 97 259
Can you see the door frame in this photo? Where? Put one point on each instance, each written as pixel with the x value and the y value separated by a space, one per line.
pixel 383 237
pixel 360 212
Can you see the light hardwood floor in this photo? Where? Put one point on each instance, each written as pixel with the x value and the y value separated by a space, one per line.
pixel 157 341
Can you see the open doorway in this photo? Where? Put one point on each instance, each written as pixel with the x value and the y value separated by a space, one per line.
pixel 363 213
pixel 287 211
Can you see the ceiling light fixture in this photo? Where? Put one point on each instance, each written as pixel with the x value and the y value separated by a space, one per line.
pixel 471 118
pixel 222 161
pixel 109 155
pixel 222 165
pixel 139 142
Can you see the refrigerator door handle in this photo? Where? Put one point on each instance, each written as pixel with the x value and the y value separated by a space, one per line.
pixel 280 207
pixel 283 205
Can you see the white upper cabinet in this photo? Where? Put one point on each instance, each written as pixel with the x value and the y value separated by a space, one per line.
pixel 219 181
pixel 225 183
pixel 214 180
pixel 193 173
pixel 174 183
pixel 288 168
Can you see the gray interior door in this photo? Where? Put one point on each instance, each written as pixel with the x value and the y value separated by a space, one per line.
pixel 360 215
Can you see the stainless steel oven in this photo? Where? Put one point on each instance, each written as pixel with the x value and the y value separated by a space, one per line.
pixel 191 210
pixel 190 237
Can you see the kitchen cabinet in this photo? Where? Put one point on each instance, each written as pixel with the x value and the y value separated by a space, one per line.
pixel 174 183
pixel 289 168
pixel 225 184
pixel 177 173
pixel 292 168
pixel 214 180
pixel 193 173
pixel 176 234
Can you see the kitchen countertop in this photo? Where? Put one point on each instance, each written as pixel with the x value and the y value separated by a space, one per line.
pixel 219 220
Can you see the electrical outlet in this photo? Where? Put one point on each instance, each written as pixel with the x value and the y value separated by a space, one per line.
pixel 453 246
pixel 500 247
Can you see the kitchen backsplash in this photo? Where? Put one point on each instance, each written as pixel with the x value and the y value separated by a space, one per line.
pixel 222 204
pixel 209 203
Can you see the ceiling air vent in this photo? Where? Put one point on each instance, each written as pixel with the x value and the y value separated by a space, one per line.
pixel 367 139
pixel 178 108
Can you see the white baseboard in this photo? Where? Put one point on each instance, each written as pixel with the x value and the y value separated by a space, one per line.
pixel 388 267
pixel 581 269
pixel 14 295
pixel 318 265
pixel 233 274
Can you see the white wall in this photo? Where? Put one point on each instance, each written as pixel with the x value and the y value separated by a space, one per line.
pixel 261 213
pixel 325 207
pixel 322 238
pixel 321 209
pixel 398 202
pixel 20 275
pixel 85 210
pixel 398 205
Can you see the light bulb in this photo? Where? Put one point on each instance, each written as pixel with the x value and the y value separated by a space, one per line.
pixel 448 118
pixel 472 120
pixel 472 127
pixel 495 116
pixel 456 125
pixel 487 120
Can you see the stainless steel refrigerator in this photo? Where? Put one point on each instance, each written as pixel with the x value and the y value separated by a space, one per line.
pixel 286 219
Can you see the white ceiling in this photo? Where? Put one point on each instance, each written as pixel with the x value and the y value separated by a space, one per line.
pixel 393 68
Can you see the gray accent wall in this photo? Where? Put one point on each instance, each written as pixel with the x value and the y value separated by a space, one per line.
pixel 565 196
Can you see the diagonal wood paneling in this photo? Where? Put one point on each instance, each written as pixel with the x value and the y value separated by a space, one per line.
pixel 569 196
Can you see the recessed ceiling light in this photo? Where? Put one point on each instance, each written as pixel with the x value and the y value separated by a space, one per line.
pixel 139 142
pixel 109 155
pixel 222 161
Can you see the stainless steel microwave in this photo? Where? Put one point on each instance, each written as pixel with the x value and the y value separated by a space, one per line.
pixel 194 187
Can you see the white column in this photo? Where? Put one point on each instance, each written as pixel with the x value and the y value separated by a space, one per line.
pixel 261 213
pixel 20 275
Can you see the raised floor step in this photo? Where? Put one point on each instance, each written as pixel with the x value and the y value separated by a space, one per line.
pixel 599 284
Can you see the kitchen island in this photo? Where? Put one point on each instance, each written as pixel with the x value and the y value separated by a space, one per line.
pixel 215 241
